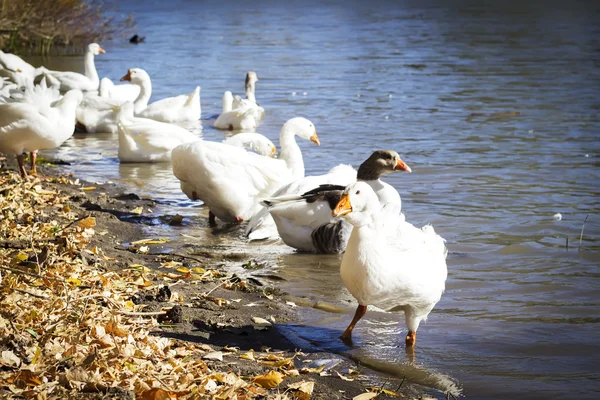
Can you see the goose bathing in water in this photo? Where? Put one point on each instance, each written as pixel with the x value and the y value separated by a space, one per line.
pixel 389 263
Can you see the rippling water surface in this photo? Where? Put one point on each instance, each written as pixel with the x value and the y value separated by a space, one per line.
pixel 495 108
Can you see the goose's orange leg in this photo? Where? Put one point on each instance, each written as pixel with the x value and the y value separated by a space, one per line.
pixel 411 338
pixel 360 312
pixel 33 157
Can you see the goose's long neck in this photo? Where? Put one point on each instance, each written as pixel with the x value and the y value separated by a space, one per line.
pixel 250 92
pixel 227 103
pixel 290 153
pixel 90 68
pixel 144 97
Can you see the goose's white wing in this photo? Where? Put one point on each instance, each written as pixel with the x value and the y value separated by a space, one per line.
pixel 230 180
pixel 145 140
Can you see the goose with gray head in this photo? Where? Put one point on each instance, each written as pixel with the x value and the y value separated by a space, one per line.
pixel 86 82
pixel 390 271
pixel 182 108
pixel 231 180
pixel 301 211
pixel 249 103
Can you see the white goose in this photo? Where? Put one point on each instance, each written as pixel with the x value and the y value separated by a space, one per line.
pixel 249 103
pixel 70 80
pixel 254 142
pixel 18 70
pixel 120 93
pixel 239 119
pixel 181 108
pixel 37 123
pixel 302 209
pixel 230 180
pixel 393 272
pixel 147 140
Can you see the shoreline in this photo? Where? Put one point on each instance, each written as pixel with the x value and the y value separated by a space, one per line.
pixel 233 319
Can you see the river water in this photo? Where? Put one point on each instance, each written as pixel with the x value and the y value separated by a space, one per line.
pixel 495 108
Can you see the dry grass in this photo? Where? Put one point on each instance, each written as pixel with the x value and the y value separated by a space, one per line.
pixel 36 26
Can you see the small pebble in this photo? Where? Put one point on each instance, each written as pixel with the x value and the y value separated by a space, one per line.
pixel 304 94
pixel 293 93
pixel 358 95
pixel 587 155
pixel 390 95
pixel 387 117
pixel 557 216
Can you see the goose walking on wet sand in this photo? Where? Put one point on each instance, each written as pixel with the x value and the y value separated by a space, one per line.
pixel 301 210
pixel 389 268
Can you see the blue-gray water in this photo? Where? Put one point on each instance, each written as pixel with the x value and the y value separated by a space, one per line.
pixel 496 109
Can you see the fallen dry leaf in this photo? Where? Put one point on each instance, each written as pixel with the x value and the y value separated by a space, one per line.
pixel 155 394
pixel 366 396
pixel 269 380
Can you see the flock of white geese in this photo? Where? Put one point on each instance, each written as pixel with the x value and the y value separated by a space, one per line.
pixel 387 262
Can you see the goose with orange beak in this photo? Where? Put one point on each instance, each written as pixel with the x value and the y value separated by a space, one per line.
pixel 301 211
pixel 182 108
pixel 87 82
pixel 387 268
pixel 231 181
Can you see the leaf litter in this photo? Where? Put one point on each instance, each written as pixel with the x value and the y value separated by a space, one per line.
pixel 69 327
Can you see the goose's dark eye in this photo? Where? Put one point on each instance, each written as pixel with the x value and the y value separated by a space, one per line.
pixel 358 192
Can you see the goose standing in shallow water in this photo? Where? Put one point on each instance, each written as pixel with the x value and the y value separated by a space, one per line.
pixel 301 210
pixel 230 180
pixel 70 80
pixel 182 108
pixel 380 268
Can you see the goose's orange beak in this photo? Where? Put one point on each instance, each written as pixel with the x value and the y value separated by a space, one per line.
pixel 101 50
pixel 343 207
pixel 315 139
pixel 127 77
pixel 401 166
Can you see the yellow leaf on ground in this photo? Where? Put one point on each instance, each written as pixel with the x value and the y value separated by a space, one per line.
pixel 74 281
pixel 88 188
pixel 303 386
pixel 248 355
pixel 138 210
pixel 87 223
pixel 269 380
pixel 366 396
pixel 183 270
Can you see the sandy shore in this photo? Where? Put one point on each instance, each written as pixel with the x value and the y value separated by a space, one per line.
pixel 228 323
